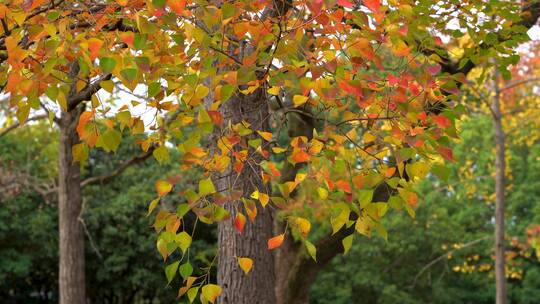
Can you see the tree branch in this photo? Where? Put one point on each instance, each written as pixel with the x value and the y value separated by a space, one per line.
pixel 15 125
pixel 132 161
pixel 435 261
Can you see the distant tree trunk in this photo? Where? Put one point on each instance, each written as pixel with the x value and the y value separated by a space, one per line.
pixel 258 285
pixel 71 265
pixel 500 171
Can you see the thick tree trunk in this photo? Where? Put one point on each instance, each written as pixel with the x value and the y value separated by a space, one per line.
pixel 500 171
pixel 71 275
pixel 258 285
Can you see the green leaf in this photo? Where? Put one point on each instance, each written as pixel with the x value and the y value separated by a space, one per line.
pixel 206 187
pixel 107 64
pixel 311 249
pixel 192 293
pixel 183 240
pixel 110 140
pixel 170 271
pixel 129 74
pixel 347 243
pixel 182 209
pixel 161 154
pixel 186 270
pixel 365 197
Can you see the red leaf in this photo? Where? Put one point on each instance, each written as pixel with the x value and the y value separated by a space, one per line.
pixel 315 6
pixel 446 153
pixel 442 121
pixel 239 222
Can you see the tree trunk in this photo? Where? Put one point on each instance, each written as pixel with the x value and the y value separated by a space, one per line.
pixel 258 285
pixel 71 265
pixel 500 170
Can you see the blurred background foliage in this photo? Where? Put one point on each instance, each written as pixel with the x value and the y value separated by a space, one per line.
pixel 442 256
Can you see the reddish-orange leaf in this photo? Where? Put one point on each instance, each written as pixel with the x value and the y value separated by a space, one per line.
pixel 94 45
pixel 345 3
pixel 442 121
pixel 344 185
pixel 300 156
pixel 239 222
pixel 373 5
pixel 276 241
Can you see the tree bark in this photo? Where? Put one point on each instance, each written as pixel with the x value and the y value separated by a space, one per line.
pixel 258 285
pixel 500 171
pixel 72 261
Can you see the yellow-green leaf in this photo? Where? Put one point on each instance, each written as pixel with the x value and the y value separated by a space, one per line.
pixel 211 292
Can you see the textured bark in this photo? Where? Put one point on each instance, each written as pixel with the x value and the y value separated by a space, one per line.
pixel 258 285
pixel 500 171
pixel 71 266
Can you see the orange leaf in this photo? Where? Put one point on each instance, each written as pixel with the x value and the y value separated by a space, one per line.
pixel 177 6
pixel 300 156
pixel 276 241
pixel 239 222
pixel 94 45
pixel 245 264
pixel 127 38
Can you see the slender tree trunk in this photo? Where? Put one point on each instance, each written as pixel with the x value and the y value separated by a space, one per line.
pixel 71 266
pixel 258 285
pixel 500 170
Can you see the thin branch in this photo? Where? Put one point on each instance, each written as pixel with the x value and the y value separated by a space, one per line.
pixel 86 93
pixel 15 125
pixel 106 177
pixel 518 83
pixel 441 257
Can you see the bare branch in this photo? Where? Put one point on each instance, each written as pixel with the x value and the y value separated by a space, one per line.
pixel 16 125
pixel 106 177
pixel 440 258
pixel 518 83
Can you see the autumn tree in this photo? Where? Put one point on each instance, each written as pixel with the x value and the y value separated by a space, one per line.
pixel 301 114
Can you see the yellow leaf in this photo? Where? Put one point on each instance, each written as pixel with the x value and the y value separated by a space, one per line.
pixel 299 100
pixel 323 193
pixel 266 135
pixel 264 199
pixel 273 91
pixel 245 264
pixel 210 292
pixel 303 225
pixel 163 187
